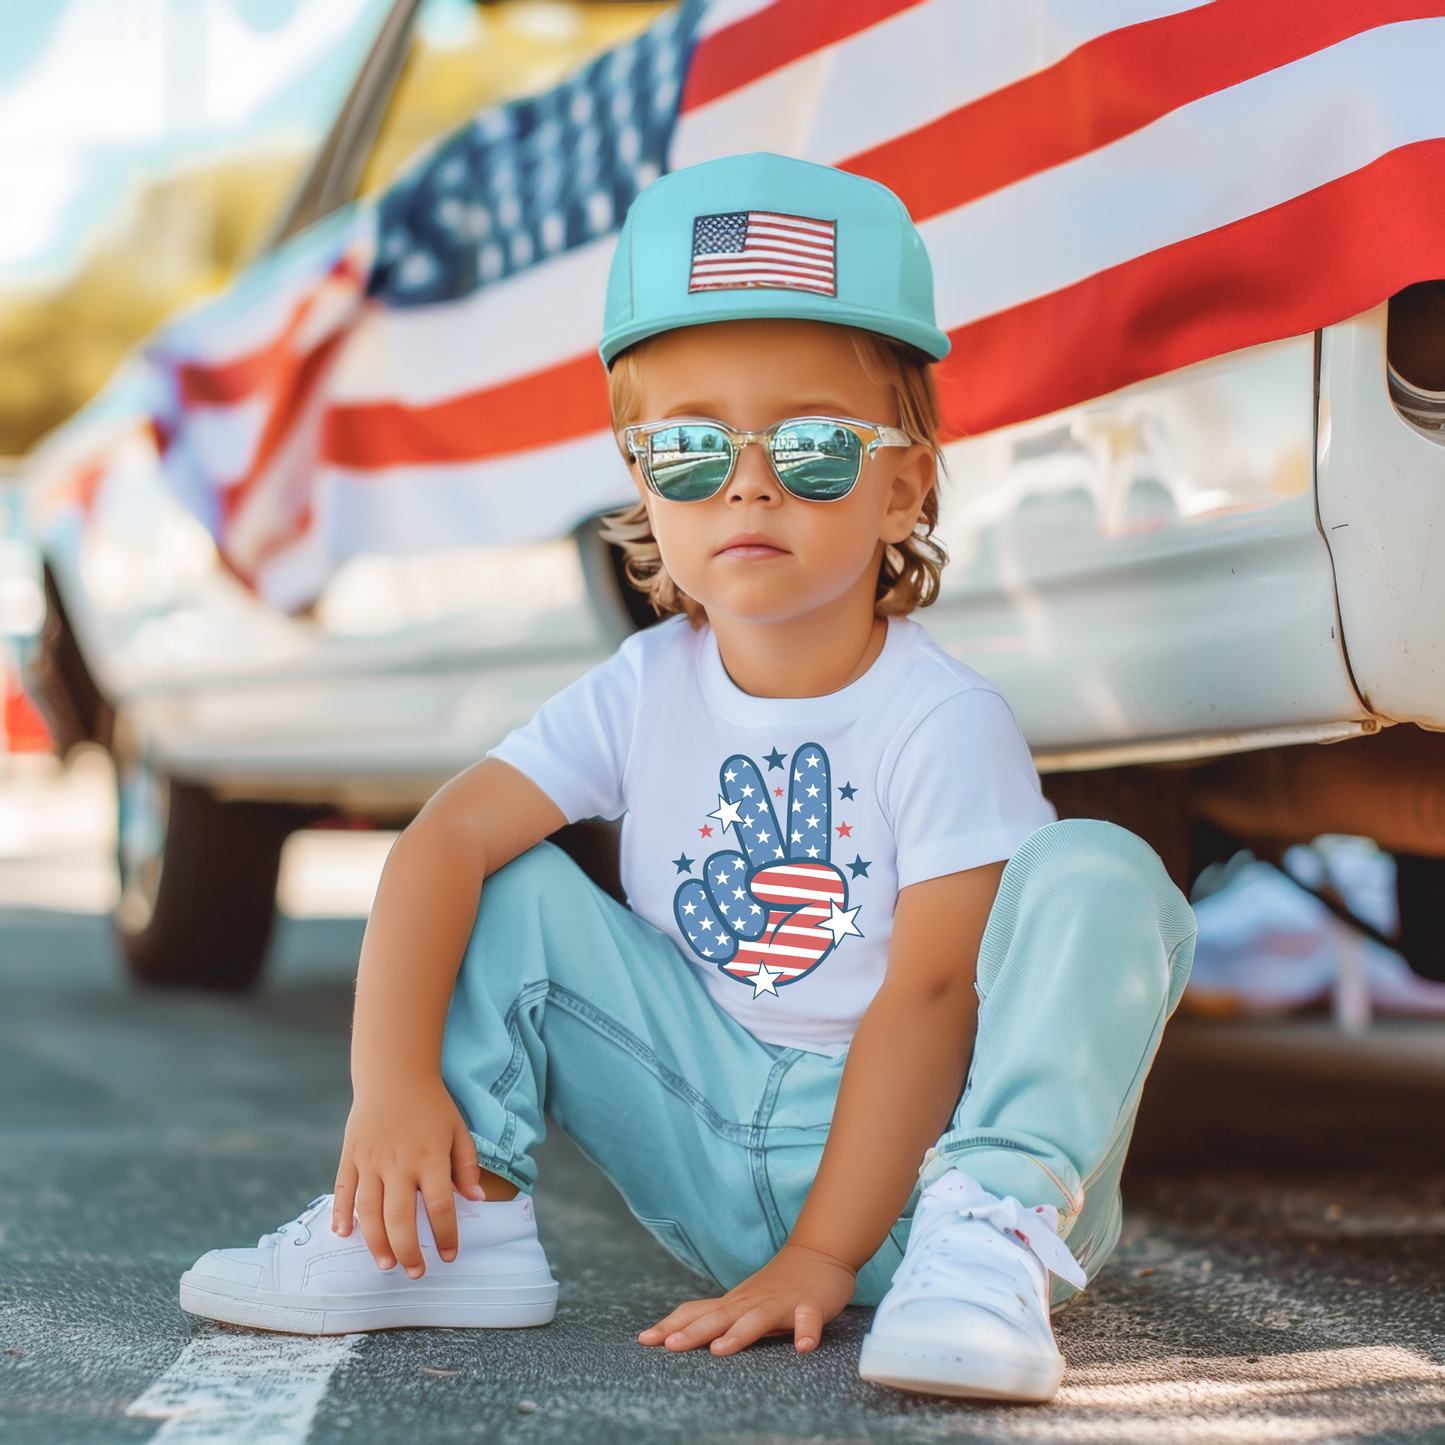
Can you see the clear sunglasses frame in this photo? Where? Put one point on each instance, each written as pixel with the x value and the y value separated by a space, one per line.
pixel 873 437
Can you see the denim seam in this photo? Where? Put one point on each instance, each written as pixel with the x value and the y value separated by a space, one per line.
pixel 984 1141
pixel 757 1147
pixel 507 1080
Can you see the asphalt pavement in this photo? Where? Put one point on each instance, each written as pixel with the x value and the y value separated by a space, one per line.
pixel 1280 1277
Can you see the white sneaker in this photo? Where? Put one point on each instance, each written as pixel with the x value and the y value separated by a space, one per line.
pixel 305 1280
pixel 968 1311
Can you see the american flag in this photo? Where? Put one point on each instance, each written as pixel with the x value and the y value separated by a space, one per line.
pixel 761 248
pixel 1108 191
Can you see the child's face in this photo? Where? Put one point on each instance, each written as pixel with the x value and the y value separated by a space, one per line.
pixel 754 551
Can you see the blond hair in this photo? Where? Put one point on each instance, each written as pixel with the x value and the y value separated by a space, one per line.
pixel 910 574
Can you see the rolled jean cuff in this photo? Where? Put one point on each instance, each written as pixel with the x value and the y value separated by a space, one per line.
pixel 1008 1168
pixel 521 1172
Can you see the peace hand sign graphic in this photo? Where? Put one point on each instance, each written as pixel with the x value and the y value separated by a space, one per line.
pixel 773 912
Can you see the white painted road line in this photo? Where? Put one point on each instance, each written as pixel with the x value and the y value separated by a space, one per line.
pixel 231 1389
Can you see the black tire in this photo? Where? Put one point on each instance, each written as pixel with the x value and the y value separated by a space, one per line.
pixel 1421 883
pixel 213 900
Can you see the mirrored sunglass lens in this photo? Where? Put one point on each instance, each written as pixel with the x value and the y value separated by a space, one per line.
pixel 817 460
pixel 689 463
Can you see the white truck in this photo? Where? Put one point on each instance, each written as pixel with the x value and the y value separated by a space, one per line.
pixel 1183 588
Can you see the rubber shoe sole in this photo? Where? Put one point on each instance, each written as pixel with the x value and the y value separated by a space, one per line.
pixel 934 1369
pixel 497 1307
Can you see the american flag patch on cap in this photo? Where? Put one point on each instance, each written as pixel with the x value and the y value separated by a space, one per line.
pixel 762 248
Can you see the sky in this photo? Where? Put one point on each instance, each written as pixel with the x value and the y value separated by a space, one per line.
pixel 95 94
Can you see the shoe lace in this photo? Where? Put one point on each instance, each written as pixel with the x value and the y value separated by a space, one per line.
pixel 297 1230
pixel 957 1197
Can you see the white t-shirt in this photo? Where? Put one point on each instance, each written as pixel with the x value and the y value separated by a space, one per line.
pixel 768 837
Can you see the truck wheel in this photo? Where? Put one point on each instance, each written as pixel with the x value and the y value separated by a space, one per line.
pixel 1421 883
pixel 198 883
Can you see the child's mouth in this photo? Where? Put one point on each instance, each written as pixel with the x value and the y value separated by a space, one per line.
pixel 750 548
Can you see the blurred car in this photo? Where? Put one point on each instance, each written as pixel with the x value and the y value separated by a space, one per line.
pixel 1237 558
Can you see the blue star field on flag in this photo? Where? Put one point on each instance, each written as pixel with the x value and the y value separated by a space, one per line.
pixel 531 179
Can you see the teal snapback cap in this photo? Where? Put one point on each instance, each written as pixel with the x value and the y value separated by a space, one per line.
pixel 764 235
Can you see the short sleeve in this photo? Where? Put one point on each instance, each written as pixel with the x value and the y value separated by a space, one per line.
pixel 963 791
pixel 575 749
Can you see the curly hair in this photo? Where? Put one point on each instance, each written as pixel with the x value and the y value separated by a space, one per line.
pixel 911 571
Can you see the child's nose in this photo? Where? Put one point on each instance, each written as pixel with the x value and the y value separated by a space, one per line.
pixel 753 479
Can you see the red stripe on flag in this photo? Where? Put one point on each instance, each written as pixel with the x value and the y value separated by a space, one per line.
pixel 772 38
pixel 234 381
pixel 1315 260
pixel 224 382
pixel 560 404
pixel 1108 88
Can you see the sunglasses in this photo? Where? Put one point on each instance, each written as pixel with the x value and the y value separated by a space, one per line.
pixel 816 458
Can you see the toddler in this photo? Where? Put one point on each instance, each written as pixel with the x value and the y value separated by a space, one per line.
pixel 873 1027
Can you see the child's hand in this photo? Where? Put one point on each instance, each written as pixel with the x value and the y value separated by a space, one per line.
pixel 799 1290
pixel 401 1140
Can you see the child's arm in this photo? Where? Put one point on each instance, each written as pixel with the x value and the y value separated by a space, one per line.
pixel 404 1132
pixel 906 1067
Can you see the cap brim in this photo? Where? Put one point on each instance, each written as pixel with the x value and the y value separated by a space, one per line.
pixel 928 339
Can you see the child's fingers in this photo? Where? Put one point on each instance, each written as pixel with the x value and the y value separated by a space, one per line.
pixel 398 1212
pixel 466 1172
pixel 679 1319
pixel 441 1210
pixel 344 1204
pixel 704 1329
pixel 373 1226
pixel 807 1325
pixel 750 1326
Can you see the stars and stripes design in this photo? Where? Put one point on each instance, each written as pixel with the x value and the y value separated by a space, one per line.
pixel 804 898
pixel 770 912
pixel 762 249
pixel 1107 192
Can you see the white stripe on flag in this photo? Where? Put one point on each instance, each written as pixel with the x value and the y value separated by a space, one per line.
pixel 539 318
pixel 420 508
pixel 1217 160
pixel 914 67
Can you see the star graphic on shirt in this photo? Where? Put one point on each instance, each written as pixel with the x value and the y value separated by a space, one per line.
pixel 773 759
pixel 777 792
pixel 812 822
pixel 729 775
pixel 722 879
pixel 813 791
pixel 748 791
pixel 738 893
pixel 726 813
pixel 683 863
pixel 840 922
pixel 777 852
pixel 797 837
pixel 812 852
pixel 859 866
pixel 706 832
pixel 765 980
pixel 689 908
pixel 847 791
pixel 737 862
pixel 845 830
pixel 812 762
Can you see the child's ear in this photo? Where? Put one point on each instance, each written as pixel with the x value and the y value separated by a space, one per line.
pixel 916 476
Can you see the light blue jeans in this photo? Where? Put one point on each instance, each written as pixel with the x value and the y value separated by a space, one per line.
pixel 570 1004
